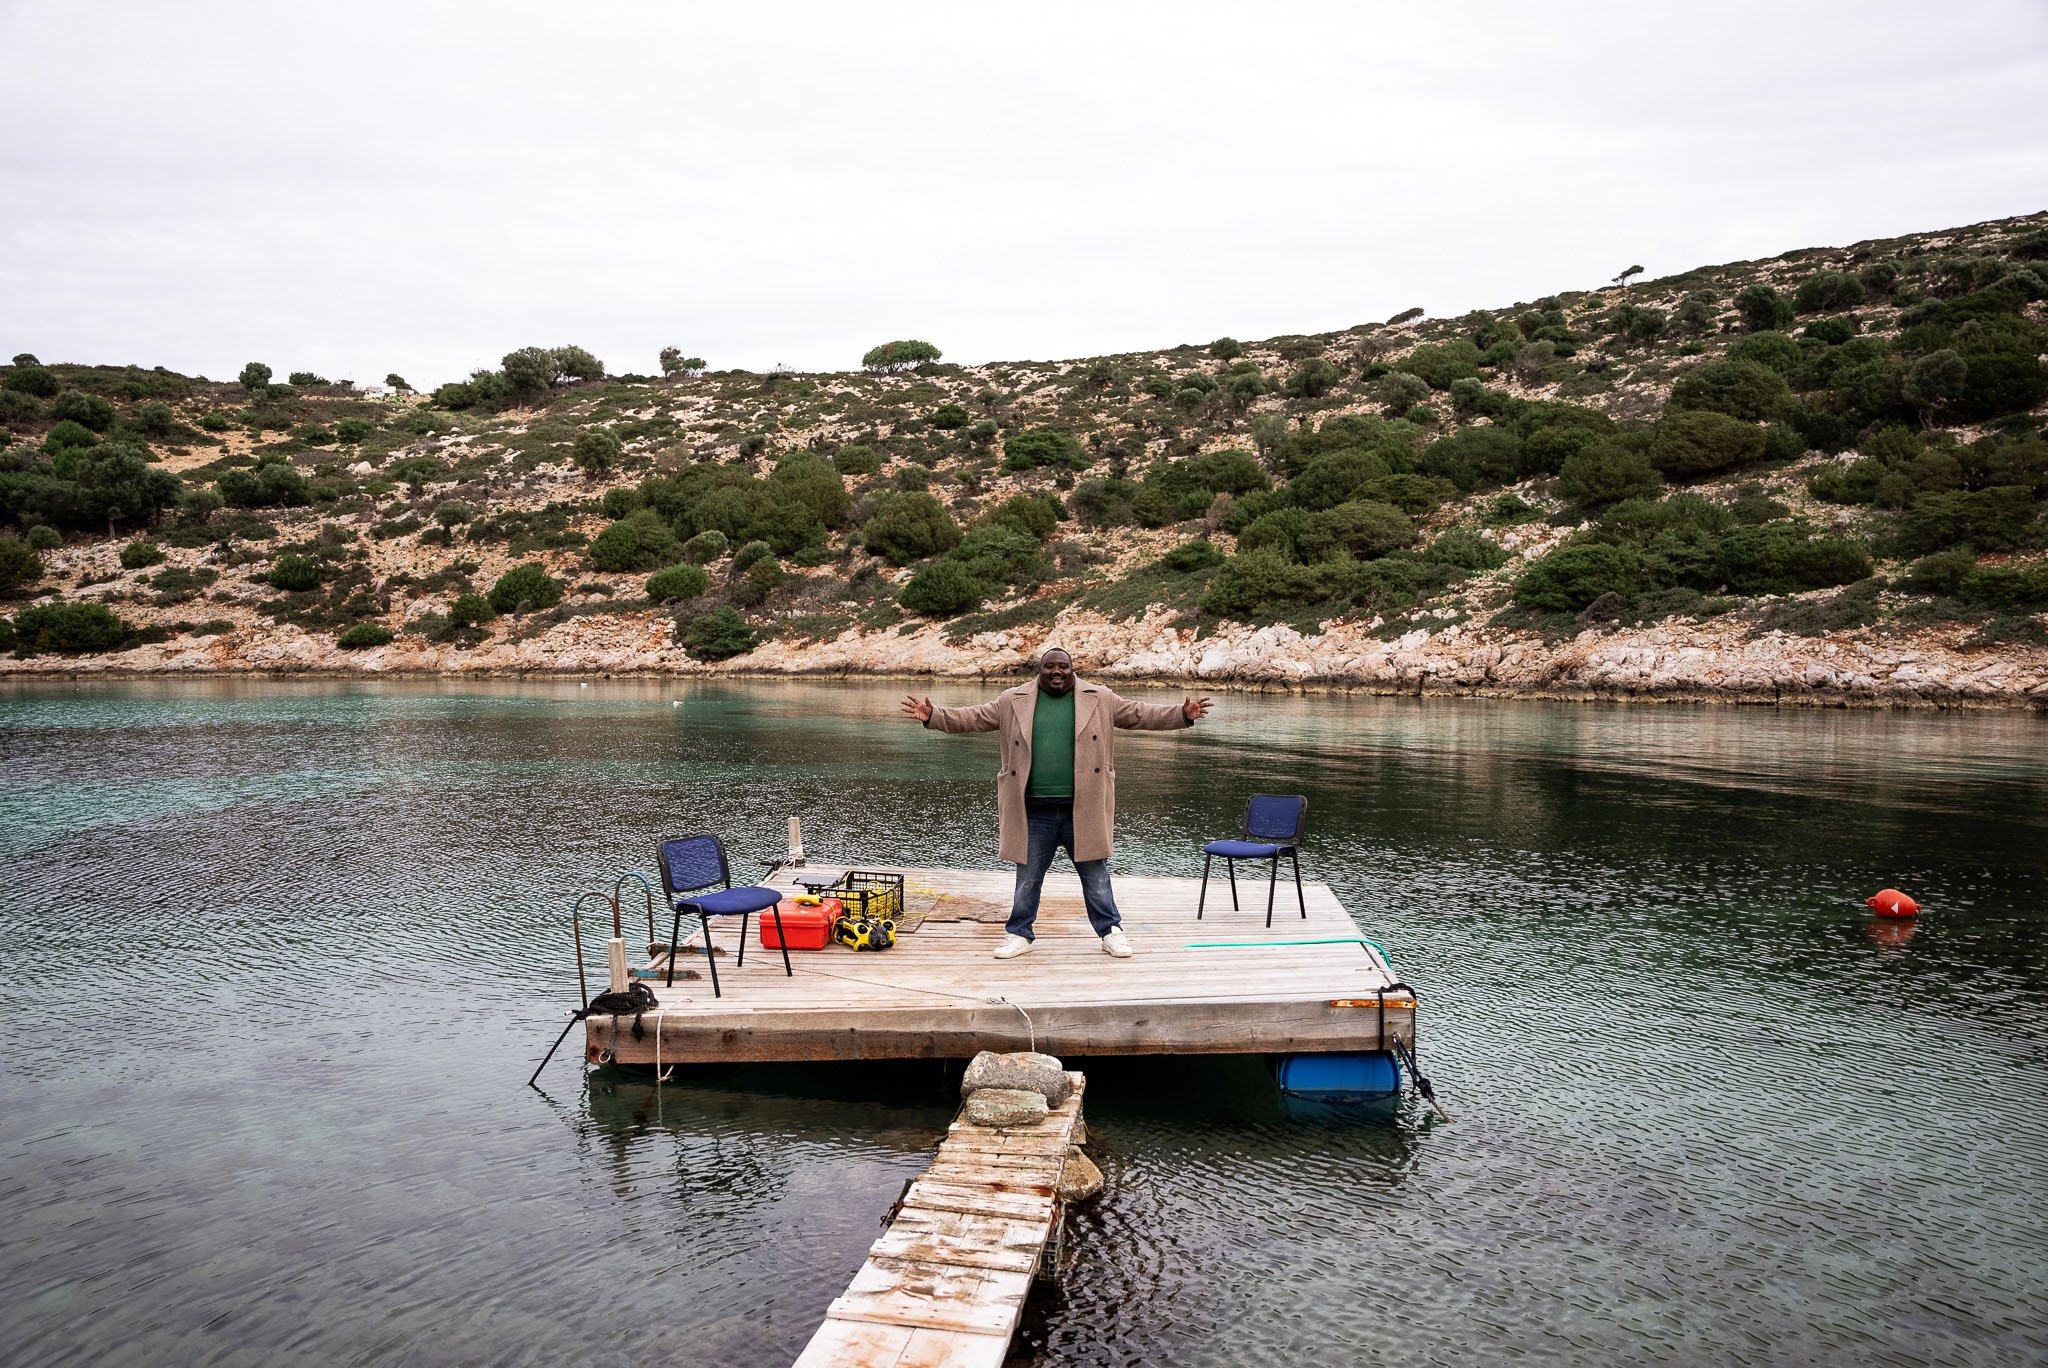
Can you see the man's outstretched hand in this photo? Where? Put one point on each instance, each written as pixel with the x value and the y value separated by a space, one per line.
pixel 1195 709
pixel 919 708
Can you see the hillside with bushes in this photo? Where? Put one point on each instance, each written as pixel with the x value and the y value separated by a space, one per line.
pixel 1822 474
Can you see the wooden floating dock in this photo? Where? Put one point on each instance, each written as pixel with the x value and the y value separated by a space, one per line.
pixel 945 1286
pixel 1191 988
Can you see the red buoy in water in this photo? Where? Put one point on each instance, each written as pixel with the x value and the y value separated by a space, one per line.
pixel 1889 902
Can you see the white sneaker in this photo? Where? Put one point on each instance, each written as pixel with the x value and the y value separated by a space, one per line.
pixel 1115 944
pixel 1014 946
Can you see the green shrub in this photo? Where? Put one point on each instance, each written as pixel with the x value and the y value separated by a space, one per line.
pixel 19 564
pixel 856 458
pixel 273 483
pixel 910 526
pixel 1572 576
pixel 949 417
pixel 1996 519
pixel 1105 503
pixel 899 356
pixel 1197 554
pixel 1226 349
pixel 1827 290
pixel 294 573
pixel 1414 495
pixel 1941 574
pixel 1689 444
pixel 34 380
pixel 596 451
pixel 620 502
pixel 364 635
pixel 1254 586
pixel 1365 529
pixel 717 635
pixel 1444 363
pixel 453 512
pixel 1314 378
pixel 1761 307
pixel 1770 349
pixel 761 579
pixel 67 435
pixel 1833 331
pixel 139 555
pixel 215 422
pixel 352 430
pixel 1466 550
pixel 1511 510
pixel 88 410
pixel 1043 446
pixel 44 537
pixel 1741 389
pixel 1475 457
pixel 677 582
pixel 750 555
pixel 2006 588
pixel 705 547
pixel 1780 558
pixel 1335 477
pixel 470 610
pixel 1605 473
pixel 67 628
pixel 525 589
pixel 942 589
pixel 1228 471
pixel 642 541
pixel 1035 515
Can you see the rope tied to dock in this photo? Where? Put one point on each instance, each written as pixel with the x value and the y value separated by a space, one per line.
pixel 635 999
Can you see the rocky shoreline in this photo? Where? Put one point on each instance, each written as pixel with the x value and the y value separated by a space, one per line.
pixel 1690 663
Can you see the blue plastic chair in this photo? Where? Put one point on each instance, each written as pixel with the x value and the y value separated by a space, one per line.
pixel 1272 827
pixel 693 863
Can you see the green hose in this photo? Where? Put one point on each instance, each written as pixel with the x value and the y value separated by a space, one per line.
pixel 1319 940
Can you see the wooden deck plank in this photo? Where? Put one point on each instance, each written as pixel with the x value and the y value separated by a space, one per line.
pixel 865 1344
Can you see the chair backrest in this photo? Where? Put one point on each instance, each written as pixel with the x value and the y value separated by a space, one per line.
pixel 1275 817
pixel 693 862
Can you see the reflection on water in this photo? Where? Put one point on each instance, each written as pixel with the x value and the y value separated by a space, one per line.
pixel 280 956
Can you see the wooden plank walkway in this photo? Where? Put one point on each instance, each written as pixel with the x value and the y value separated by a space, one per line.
pixel 1189 990
pixel 944 1286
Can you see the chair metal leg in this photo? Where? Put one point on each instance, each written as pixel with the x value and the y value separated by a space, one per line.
pixel 1272 882
pixel 1299 896
pixel 782 940
pixel 1231 865
pixel 741 962
pixel 710 959
pixel 675 929
pixel 1207 860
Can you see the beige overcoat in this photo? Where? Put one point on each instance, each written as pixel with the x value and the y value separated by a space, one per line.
pixel 1097 715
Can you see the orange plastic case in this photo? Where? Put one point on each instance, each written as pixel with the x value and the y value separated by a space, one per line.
pixel 808 927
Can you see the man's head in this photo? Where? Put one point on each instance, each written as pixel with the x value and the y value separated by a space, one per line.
pixel 1055 671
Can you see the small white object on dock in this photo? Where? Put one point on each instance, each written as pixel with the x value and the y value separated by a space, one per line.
pixel 615 955
pixel 796 843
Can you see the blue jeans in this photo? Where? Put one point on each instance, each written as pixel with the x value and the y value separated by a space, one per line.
pixel 1051 827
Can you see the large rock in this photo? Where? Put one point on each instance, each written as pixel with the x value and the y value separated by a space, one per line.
pixel 1006 1107
pixel 1079 1178
pixel 1039 1073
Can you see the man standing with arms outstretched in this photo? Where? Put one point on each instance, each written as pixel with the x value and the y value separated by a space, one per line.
pixel 1056 782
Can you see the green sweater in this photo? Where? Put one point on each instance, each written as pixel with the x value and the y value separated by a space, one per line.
pixel 1052 747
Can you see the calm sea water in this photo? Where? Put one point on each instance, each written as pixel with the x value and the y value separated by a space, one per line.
pixel 280 956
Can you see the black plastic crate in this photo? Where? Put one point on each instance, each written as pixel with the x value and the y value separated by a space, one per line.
pixel 865 893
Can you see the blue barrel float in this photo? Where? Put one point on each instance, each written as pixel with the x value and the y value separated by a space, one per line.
pixel 1356 1077
pixel 1367 1078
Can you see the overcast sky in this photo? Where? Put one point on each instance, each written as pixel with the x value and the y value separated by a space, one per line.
pixel 356 188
